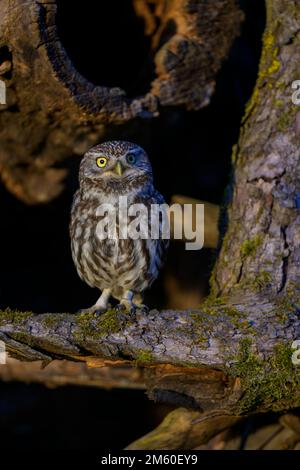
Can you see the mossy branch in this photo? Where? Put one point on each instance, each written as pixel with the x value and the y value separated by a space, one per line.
pixel 238 353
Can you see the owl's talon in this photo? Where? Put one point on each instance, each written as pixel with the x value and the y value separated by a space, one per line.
pixel 126 306
pixel 143 309
pixel 99 311
pixel 120 307
pixel 95 309
pixel 84 310
pixel 132 310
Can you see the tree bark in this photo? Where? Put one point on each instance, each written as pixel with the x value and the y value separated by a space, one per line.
pixel 233 355
pixel 262 243
pixel 53 113
pixel 184 429
pixel 84 374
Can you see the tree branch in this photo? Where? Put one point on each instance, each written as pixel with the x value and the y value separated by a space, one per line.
pixel 53 112
pixel 202 358
pixel 184 429
pixel 91 373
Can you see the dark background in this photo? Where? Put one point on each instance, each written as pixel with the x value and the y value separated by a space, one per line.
pixel 191 155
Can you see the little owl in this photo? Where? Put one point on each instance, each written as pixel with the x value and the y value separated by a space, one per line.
pixel 120 267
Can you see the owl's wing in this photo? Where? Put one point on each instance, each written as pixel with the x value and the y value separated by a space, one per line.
pixel 158 247
pixel 76 200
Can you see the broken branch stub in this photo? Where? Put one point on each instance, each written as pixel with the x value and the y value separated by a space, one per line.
pixel 53 112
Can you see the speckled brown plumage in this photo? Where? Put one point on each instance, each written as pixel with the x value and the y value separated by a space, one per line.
pixel 123 268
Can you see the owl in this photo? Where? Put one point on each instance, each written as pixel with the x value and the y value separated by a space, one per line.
pixel 120 267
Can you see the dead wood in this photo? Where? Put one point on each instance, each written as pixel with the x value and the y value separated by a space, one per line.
pixel 53 112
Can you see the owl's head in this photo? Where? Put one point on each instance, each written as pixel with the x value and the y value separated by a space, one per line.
pixel 117 166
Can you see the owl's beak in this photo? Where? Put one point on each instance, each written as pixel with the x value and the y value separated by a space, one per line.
pixel 118 169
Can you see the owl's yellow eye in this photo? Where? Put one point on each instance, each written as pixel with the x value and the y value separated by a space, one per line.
pixel 101 162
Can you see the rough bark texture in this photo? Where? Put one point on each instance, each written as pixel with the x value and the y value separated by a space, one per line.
pixel 262 243
pixel 234 354
pixel 233 357
pixel 184 429
pixel 90 373
pixel 53 112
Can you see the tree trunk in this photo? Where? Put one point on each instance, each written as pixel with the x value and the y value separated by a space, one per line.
pixel 261 247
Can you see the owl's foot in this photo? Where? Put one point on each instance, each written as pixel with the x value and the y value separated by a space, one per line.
pixel 132 308
pixel 126 302
pixel 132 302
pixel 95 309
pixel 101 305
pixel 143 308
pixel 138 301
pixel 126 305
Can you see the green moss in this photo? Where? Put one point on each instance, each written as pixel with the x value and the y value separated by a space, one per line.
pixel 96 326
pixel 237 318
pixel 279 103
pixel 109 322
pixel 248 365
pixel 211 307
pixel 202 326
pixel 50 320
pixel 271 384
pixel 275 64
pixel 286 304
pixel 283 308
pixel 232 312
pixel 22 338
pixel 13 316
pixel 212 311
pixel 204 321
pixel 259 214
pixel 269 60
pixel 262 280
pixel 221 300
pixel 249 247
pixel 286 118
pixel 269 66
pixel 213 291
pixel 234 154
pixel 143 357
pixel 222 264
pixel 251 105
